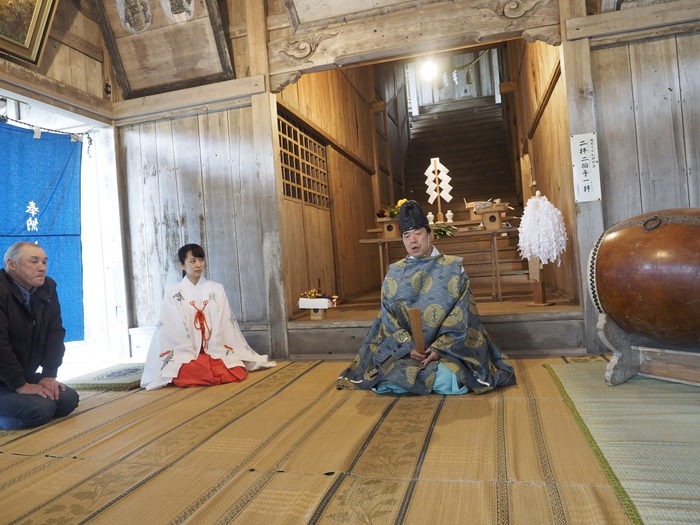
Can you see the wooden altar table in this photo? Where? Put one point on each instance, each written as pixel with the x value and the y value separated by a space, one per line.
pixel 383 248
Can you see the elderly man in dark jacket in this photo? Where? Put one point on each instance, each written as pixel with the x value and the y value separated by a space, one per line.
pixel 31 336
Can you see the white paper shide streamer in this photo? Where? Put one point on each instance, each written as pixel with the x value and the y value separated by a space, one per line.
pixel 438 181
pixel 541 231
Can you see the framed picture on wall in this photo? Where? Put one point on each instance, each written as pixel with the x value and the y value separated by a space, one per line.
pixel 24 26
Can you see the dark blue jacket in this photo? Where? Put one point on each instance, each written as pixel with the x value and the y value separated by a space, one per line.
pixel 29 339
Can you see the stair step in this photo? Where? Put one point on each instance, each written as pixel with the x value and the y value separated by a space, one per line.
pixel 524 334
pixel 471 143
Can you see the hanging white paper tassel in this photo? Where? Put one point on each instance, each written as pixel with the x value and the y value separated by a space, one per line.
pixel 541 231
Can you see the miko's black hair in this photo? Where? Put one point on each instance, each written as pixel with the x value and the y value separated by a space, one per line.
pixel 196 249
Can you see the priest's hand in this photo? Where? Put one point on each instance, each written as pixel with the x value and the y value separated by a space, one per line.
pixel 428 357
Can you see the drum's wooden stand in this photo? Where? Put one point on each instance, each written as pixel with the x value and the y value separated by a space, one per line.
pixel 634 355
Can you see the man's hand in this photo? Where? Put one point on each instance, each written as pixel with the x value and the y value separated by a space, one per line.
pixel 430 355
pixel 47 387
pixel 53 386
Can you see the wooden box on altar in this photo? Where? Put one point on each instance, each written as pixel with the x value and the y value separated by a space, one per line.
pixel 491 216
pixel 390 227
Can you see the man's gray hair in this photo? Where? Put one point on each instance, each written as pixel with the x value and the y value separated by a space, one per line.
pixel 13 251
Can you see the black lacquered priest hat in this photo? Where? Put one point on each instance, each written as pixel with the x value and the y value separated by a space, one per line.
pixel 411 217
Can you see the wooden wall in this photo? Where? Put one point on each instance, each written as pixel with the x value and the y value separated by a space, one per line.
pixel 541 130
pixel 327 249
pixel 308 251
pixel 194 179
pixel 648 113
pixel 364 117
pixel 316 246
pixel 647 121
pixel 337 105
pixel 392 130
pixel 353 213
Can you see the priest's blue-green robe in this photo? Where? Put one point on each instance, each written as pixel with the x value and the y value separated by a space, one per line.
pixel 439 287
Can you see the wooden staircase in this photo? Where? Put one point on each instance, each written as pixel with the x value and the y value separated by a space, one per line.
pixel 471 142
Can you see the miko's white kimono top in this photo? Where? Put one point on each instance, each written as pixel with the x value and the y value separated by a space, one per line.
pixel 178 337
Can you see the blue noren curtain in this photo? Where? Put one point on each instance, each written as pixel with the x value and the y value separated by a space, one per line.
pixel 41 181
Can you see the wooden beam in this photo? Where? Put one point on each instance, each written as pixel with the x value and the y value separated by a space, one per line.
pixel 218 96
pixel 508 87
pixel 645 34
pixel 257 37
pixel 408 32
pixel 330 138
pixel 79 44
pixel 674 365
pixel 634 19
pixel 273 23
pixel 542 105
pixel 27 82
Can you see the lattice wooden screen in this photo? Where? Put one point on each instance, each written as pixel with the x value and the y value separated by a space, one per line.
pixel 304 170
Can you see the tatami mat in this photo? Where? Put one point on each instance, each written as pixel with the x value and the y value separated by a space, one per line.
pixel 284 446
pixel 648 432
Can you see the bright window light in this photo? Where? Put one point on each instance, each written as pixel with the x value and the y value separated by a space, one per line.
pixel 428 70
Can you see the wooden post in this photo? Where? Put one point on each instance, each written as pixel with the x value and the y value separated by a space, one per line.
pixel 256 26
pixel 540 296
pixel 538 289
pixel 440 216
pixel 576 69
pixel 267 162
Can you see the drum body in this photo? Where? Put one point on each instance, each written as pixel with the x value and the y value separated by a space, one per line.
pixel 644 273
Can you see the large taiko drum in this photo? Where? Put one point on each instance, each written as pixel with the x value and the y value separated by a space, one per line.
pixel 644 273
